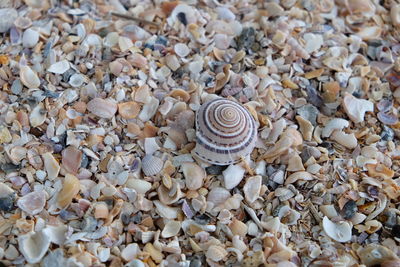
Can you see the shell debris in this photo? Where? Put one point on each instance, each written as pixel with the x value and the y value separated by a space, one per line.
pixel 199 133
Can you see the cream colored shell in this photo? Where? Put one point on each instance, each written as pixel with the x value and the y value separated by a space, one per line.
pixel 226 132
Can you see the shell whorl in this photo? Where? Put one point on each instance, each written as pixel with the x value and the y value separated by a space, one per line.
pixel 226 131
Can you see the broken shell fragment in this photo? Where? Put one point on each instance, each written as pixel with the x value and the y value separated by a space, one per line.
pixel 233 175
pixel 171 229
pixel 346 140
pixel 216 253
pixel 103 108
pixel 32 203
pixel 356 108
pixel 340 232
pixel 375 254
pixel 34 245
pixel 70 189
pixel 59 67
pixel 71 159
pixel 28 77
pixel 252 188
pixel 38 115
pixel 194 175
pixel 101 211
pixel 129 110
pixel 51 165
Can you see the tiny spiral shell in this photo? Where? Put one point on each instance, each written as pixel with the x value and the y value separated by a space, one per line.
pixel 226 132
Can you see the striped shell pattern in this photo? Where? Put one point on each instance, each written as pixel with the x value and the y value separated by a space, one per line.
pixel 226 132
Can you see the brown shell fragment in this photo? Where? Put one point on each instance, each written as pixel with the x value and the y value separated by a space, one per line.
pixel 71 187
pixel 71 159
pixel 129 110
pixel 379 171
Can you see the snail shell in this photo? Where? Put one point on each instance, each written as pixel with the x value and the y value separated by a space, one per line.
pixel 226 132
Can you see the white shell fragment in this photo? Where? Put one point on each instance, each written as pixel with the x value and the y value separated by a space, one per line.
pixel 233 175
pixel 51 165
pixel 171 229
pixel 8 15
pixel 32 203
pixel 194 175
pixel 30 38
pixel 356 108
pixel 59 67
pixel 252 188
pixel 34 245
pixel 103 108
pixel 334 124
pixel 37 116
pixel 340 232
pixel 181 50
pixel 28 77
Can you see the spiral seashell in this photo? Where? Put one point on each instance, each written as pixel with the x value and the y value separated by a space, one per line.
pixel 226 131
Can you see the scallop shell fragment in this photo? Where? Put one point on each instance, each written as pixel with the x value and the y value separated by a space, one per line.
pixel 225 132
pixel 152 165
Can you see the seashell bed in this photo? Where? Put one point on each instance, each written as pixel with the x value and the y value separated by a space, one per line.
pixel 194 133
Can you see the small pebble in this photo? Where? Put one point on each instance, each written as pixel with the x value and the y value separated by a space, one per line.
pixel 7 203
pixel 215 169
pixel 396 231
pixel 349 209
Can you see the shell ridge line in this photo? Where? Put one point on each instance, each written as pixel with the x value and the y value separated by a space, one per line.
pixel 219 110
pixel 212 144
pixel 218 133
pixel 215 129
pixel 211 141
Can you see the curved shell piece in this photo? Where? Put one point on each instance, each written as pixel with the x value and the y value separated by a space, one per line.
pixel 340 232
pixel 375 255
pixel 226 132
pixel 34 245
